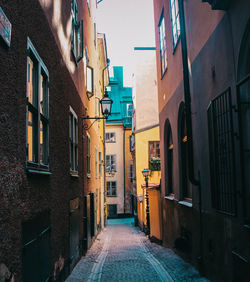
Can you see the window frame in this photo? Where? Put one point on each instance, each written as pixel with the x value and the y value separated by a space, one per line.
pixel 108 140
pixel 162 43
pixel 34 166
pixel 109 183
pixel 129 110
pixel 89 93
pixel 77 30
pixel 96 163
pixel 111 156
pixel 100 164
pixel 88 155
pixel 73 142
pixel 154 162
pixel 177 18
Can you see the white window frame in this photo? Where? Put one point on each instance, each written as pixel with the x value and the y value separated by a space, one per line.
pixel 110 138
pixel 175 22
pixel 110 163
pixel 162 44
pixel 73 141
pixel 110 189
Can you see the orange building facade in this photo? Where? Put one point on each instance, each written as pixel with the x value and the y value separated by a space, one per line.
pixel 202 79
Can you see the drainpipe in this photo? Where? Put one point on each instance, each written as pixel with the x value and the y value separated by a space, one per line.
pixel 187 96
pixel 188 110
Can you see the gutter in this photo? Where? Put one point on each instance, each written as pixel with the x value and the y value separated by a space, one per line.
pixel 187 96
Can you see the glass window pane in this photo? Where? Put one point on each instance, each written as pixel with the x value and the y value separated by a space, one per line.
pixel 30 137
pixel 89 80
pixel 43 96
pixel 32 93
pixel 41 143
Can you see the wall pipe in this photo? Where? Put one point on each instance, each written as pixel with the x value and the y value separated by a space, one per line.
pixel 187 96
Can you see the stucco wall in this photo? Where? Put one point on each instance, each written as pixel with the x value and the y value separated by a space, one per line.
pixel 117 149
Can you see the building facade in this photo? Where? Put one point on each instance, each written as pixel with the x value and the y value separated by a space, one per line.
pixel 118 156
pixel 49 78
pixel 147 141
pixel 203 91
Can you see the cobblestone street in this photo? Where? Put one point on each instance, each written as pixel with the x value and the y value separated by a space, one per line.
pixel 123 253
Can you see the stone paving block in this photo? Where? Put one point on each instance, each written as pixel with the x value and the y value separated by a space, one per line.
pixel 123 253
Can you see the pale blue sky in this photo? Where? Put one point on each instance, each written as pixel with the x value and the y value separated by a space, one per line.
pixel 127 24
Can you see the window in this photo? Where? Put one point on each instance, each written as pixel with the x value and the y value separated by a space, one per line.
pixel 110 163
pixel 175 20
pixel 37 110
pixel 185 184
pixel 169 160
pixel 73 139
pixel 131 172
pixel 95 34
pixel 111 189
pixel 221 150
pixel 163 44
pixel 154 155
pixel 100 164
pixel 129 110
pixel 88 154
pixel 132 143
pixel 77 34
pixel 96 164
pixel 110 137
pixel 90 83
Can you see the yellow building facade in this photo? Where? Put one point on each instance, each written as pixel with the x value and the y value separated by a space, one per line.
pixel 143 139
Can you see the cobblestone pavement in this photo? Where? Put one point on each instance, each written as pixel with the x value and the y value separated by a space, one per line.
pixel 123 253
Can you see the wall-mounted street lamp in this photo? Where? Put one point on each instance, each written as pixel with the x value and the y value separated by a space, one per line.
pixel 106 104
pixel 146 173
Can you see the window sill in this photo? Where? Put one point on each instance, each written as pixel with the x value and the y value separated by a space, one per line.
pixel 185 203
pixel 170 198
pixel 38 171
pixel 74 174
pixel 112 196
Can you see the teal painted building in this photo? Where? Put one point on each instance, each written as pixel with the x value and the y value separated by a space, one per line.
pixel 122 108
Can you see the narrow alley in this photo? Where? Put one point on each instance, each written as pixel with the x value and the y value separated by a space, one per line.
pixel 123 253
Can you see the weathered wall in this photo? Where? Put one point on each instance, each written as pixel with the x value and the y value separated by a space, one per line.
pixel 208 239
pixel 23 196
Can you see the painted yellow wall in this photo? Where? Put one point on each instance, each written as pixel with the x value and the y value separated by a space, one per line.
pixel 155 214
pixel 141 152
pixel 128 162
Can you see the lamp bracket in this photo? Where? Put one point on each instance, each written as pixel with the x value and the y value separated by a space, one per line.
pixel 86 126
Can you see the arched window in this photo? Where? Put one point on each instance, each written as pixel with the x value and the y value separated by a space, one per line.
pixel 169 159
pixel 186 188
pixel 243 92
